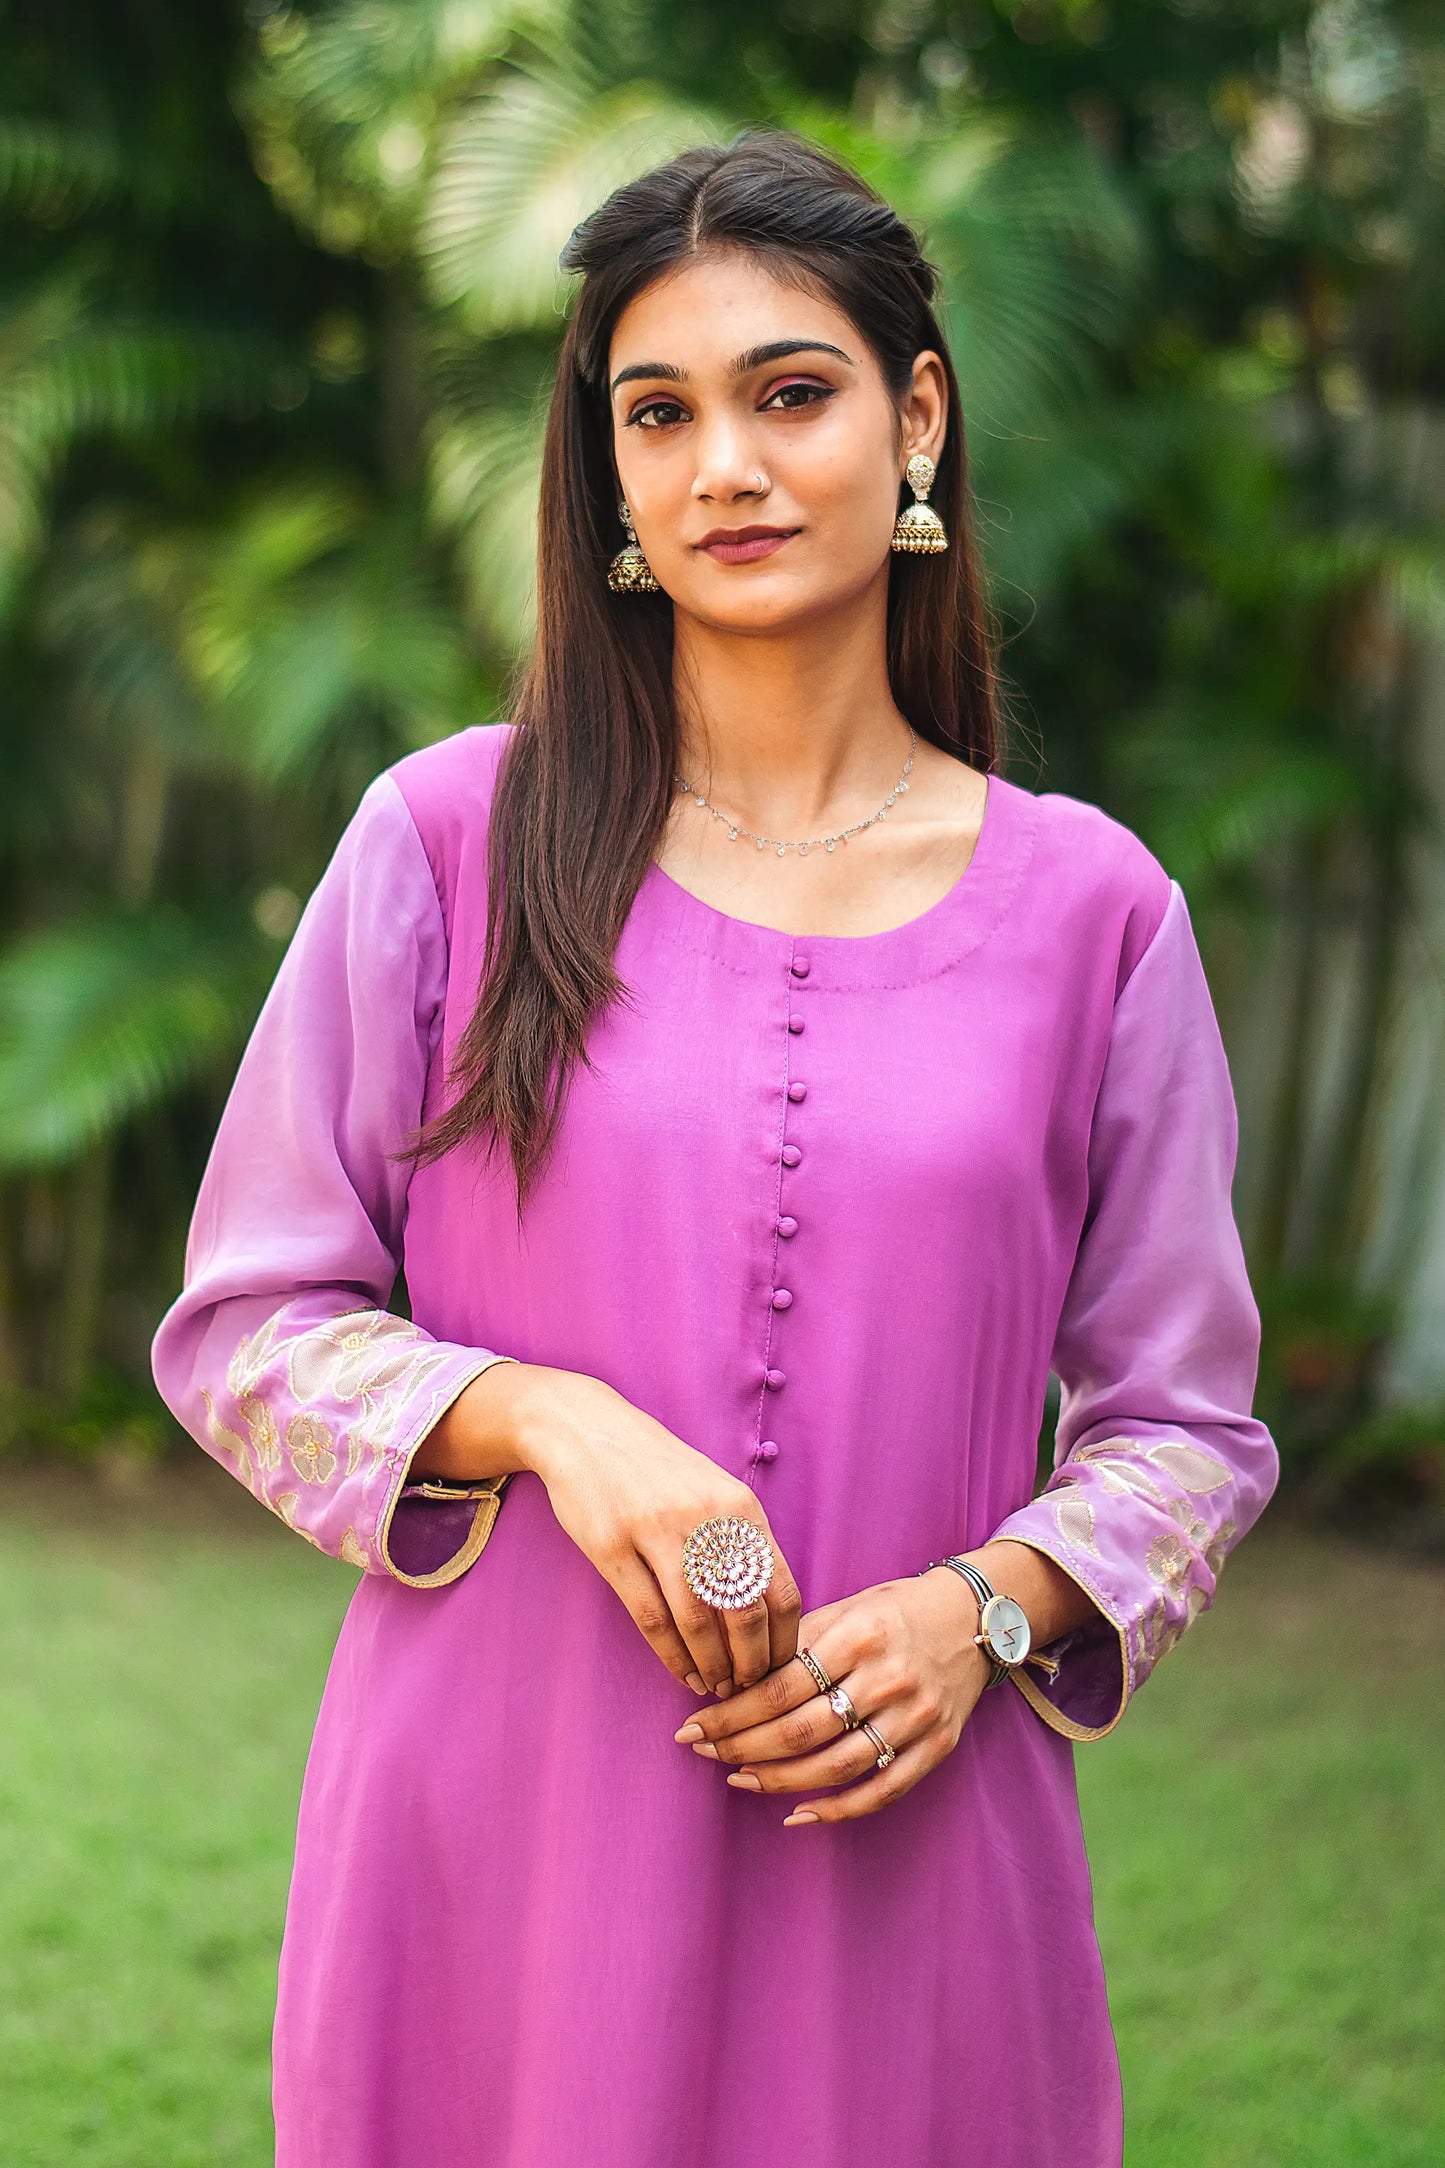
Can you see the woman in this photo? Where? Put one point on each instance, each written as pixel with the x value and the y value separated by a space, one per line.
pixel 761 1093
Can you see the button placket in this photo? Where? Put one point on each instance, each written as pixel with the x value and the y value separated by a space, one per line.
pixel 786 1225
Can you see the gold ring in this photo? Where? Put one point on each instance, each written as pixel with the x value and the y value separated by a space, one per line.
pixel 886 1753
pixel 843 1708
pixel 806 1656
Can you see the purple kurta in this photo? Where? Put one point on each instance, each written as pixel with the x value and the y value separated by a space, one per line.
pixel 829 1207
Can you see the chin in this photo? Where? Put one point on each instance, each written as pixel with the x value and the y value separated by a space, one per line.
pixel 766 606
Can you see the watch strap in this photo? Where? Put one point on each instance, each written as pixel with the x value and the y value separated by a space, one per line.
pixel 983 1593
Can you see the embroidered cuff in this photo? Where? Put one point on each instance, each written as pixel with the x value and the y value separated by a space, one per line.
pixel 430 1530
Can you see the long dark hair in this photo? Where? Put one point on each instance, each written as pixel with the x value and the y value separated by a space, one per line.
pixel 585 782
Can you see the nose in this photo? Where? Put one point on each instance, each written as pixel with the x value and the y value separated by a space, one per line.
pixel 727 465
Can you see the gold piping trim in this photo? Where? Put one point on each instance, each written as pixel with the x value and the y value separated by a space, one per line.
pixel 1033 1694
pixel 483 1520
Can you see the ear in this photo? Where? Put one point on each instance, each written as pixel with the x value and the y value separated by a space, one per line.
pixel 925 409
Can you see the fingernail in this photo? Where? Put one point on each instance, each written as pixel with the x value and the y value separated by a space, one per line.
pixel 801 1816
pixel 688 1731
pixel 706 1748
pixel 723 1689
pixel 699 1686
pixel 745 1778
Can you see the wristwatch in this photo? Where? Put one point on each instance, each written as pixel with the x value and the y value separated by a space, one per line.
pixel 1004 1633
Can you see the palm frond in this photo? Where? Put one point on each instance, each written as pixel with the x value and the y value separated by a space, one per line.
pixel 52 172
pixel 484 461
pixel 104 1016
pixel 65 376
pixel 519 167
pixel 342 105
pixel 362 629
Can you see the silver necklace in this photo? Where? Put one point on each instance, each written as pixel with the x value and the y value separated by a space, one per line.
pixel 840 835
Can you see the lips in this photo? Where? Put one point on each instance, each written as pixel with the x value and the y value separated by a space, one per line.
pixel 744 545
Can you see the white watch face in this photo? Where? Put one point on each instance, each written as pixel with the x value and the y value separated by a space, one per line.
pixel 1005 1628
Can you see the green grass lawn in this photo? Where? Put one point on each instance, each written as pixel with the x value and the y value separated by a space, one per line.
pixel 1267 1828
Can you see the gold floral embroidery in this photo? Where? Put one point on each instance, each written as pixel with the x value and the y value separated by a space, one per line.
pixel 1216 1552
pixel 1157 1634
pixel 351 1550
pixel 368 1358
pixel 1195 1530
pixel 228 1441
pixel 355 1382
pixel 1119 1471
pixel 1192 1469
pixel 310 1445
pixel 261 1423
pixel 285 1508
pixel 1075 1519
pixel 1168 1560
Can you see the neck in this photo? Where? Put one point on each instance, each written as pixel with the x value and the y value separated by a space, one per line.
pixel 791 732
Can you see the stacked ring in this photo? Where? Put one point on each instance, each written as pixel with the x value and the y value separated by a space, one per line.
pixel 842 1707
pixel 806 1656
pixel 886 1753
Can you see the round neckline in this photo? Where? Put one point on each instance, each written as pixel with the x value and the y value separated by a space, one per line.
pixel 933 941
pixel 985 849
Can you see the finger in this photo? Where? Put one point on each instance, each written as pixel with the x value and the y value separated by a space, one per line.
pixel 798 1721
pixel 754 1630
pixel 879 1789
pixel 701 1649
pixel 749 1635
pixel 842 1760
pixel 785 1613
pixel 838 1756
pixel 788 1685
pixel 699 1624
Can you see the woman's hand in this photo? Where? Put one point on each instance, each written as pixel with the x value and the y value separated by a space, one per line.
pixel 628 1492
pixel 906 1655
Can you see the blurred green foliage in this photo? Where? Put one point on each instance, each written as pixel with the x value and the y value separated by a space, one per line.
pixel 278 304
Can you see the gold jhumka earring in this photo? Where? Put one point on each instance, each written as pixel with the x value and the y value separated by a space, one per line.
pixel 629 572
pixel 918 527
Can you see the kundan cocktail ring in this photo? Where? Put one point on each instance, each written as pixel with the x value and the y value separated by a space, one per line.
pixel 727 1561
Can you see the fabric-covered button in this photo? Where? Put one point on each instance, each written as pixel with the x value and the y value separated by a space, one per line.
pixel 787 1225
pixel 775 1380
pixel 791 1155
pixel 782 1296
pixel 799 967
pixel 768 1450
pixel 797 1090
pixel 795 1023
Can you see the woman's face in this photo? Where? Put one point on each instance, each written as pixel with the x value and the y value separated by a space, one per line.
pixel 744 407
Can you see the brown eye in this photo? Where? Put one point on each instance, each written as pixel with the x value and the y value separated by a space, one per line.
pixel 656 414
pixel 811 395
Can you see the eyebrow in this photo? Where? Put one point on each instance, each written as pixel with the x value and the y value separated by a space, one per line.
pixel 753 357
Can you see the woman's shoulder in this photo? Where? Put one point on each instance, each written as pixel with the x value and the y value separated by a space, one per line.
pixel 1103 881
pixel 453 777
pixel 447 788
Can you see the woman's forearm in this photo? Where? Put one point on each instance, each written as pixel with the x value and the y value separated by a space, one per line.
pixel 488 1430
pixel 1054 1602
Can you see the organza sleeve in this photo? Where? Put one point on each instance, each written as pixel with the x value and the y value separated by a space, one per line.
pixel 279 1356
pixel 1159 1464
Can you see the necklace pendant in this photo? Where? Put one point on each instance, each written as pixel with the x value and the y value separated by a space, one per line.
pixel 782 850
